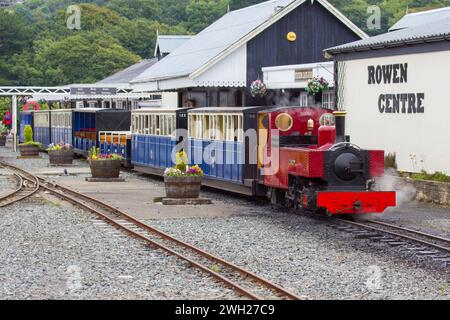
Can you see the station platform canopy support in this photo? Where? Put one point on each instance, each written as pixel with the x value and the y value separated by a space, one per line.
pixel 65 94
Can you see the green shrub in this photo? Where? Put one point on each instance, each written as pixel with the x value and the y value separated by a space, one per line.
pixel 3 130
pixel 28 133
pixel 437 176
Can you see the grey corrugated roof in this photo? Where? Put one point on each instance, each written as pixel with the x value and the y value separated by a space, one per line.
pixel 167 44
pixel 128 74
pixel 434 31
pixel 226 31
pixel 419 18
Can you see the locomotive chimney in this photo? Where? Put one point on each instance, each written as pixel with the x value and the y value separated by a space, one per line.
pixel 340 125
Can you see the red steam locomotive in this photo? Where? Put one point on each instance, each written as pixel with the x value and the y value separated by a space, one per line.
pixel 307 162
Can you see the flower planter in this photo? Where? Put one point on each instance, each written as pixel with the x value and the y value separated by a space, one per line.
pixel 60 157
pixel 183 187
pixel 105 169
pixel 29 150
pixel 2 140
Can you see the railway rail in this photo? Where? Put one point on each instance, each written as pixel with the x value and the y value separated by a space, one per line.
pixel 28 185
pixel 418 242
pixel 244 282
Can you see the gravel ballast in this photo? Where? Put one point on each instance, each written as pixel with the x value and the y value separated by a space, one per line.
pixel 311 258
pixel 51 251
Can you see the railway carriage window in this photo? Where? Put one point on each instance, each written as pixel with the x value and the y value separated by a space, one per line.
pixel 164 125
pixel 303 99
pixel 284 122
pixel 221 127
pixel 229 128
pixel 146 124
pixel 240 127
pixel 157 125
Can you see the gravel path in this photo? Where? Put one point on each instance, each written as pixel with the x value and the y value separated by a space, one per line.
pixel 310 258
pixel 55 252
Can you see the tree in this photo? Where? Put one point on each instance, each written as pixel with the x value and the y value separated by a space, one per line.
pixel 15 35
pixel 201 13
pixel 84 58
pixel 5 105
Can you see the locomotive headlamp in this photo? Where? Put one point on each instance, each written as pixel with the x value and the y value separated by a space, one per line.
pixel 310 124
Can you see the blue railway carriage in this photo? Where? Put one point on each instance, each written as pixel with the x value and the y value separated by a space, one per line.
pixel 42 127
pixel 223 141
pixel 61 126
pixel 25 119
pixel 89 122
pixel 155 135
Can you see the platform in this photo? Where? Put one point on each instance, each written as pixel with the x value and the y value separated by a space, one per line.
pixel 104 180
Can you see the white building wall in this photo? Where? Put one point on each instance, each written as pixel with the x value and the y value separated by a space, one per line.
pixel 229 72
pixel 420 140
pixel 169 100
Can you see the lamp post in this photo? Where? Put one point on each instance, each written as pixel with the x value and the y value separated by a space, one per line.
pixel 14 122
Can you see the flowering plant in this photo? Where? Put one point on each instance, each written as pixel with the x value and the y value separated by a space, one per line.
pixel 60 146
pixel 3 130
pixel 317 85
pixel 258 89
pixel 95 155
pixel 181 168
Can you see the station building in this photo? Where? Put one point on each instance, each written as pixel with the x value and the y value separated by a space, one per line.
pixel 394 88
pixel 216 67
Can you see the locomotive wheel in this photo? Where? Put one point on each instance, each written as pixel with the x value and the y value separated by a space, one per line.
pixel 276 196
pixel 325 212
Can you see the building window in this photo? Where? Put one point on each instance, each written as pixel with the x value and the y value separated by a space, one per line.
pixel 328 100
pixel 303 99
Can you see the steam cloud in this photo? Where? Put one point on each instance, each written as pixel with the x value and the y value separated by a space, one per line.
pixel 391 182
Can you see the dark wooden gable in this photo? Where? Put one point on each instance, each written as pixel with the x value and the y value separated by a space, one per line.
pixel 317 29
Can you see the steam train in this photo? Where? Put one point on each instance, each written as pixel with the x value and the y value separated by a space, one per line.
pixel 298 157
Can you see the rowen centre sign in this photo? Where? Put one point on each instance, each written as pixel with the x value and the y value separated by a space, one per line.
pixel 401 103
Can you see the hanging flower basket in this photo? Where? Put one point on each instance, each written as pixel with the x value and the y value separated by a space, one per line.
pixel 258 89
pixel 316 87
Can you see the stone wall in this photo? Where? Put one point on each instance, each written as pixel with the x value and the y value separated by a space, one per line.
pixel 423 191
pixel 432 192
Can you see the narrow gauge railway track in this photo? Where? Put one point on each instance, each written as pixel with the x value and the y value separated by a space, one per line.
pixel 28 185
pixel 242 281
pixel 425 244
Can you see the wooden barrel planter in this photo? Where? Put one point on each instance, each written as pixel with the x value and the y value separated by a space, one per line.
pixel 2 140
pixel 183 187
pixel 105 169
pixel 29 150
pixel 60 157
